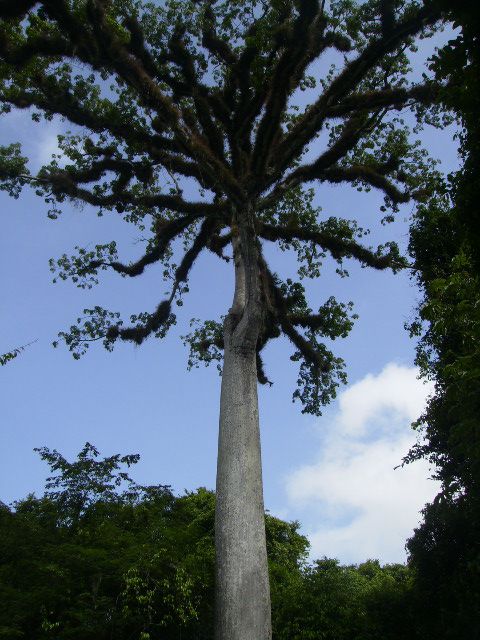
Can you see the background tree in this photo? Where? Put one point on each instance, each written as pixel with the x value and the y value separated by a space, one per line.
pixel 446 250
pixel 138 563
pixel 206 91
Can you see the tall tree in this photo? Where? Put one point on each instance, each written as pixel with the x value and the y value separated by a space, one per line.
pixel 206 90
pixel 446 250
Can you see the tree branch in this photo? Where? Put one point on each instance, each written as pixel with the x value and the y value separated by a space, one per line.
pixel 162 149
pixel 208 227
pixel 387 16
pixel 138 48
pixel 338 247
pixel 281 311
pixel 366 174
pixel 308 126
pixel 35 46
pixel 215 45
pixel 138 333
pixel 388 98
pixel 63 183
pixel 113 54
pixel 300 50
pixel 354 129
pixel 165 235
pixel 162 313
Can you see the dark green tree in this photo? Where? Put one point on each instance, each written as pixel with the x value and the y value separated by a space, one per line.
pixel 206 90
pixel 138 562
pixel 334 602
pixel 67 558
pixel 446 249
pixel 75 486
pixel 100 556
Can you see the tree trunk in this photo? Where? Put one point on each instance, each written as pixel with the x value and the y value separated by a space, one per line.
pixel 242 584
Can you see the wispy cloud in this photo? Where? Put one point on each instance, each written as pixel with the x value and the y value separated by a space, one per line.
pixel 39 141
pixel 46 145
pixel 356 504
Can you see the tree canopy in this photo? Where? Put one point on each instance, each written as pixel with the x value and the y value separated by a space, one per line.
pixel 206 95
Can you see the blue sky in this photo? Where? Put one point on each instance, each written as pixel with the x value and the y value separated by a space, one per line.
pixel 334 473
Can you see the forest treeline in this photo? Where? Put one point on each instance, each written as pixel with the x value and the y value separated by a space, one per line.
pixel 98 556
pixel 445 247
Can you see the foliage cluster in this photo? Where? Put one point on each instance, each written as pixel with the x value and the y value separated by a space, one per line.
pixel 99 556
pixel 12 354
pixel 446 250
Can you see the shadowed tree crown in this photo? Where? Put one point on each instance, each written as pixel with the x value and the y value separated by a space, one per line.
pixel 207 93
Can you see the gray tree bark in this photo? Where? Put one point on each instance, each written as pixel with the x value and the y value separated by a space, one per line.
pixel 242 586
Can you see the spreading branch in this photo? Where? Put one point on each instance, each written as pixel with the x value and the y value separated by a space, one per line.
pixel 281 312
pixel 368 175
pixel 354 129
pixel 310 124
pixel 63 183
pixel 300 50
pixel 397 98
pixel 167 232
pixel 162 314
pixel 338 247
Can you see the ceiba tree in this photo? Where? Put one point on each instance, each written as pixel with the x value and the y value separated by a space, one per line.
pixel 207 92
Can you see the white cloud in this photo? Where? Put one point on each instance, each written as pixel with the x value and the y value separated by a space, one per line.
pixel 38 141
pixel 359 506
pixel 46 144
pixel 394 393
